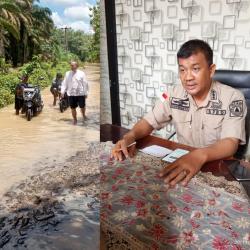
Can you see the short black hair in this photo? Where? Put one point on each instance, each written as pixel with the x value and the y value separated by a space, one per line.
pixel 25 75
pixel 59 75
pixel 194 46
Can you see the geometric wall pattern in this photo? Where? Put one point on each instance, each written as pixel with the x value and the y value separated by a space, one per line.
pixel 149 33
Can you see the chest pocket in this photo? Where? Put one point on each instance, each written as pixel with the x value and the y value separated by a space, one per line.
pixel 182 121
pixel 79 78
pixel 76 82
pixel 211 128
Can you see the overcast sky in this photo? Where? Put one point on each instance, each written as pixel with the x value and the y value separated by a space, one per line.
pixel 70 13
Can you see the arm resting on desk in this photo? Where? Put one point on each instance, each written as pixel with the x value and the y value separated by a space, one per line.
pixel 224 148
pixel 141 129
pixel 183 169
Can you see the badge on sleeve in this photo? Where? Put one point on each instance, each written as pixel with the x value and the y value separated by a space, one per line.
pixel 164 97
pixel 236 108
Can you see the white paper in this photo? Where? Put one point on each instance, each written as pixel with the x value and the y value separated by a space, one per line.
pixel 175 155
pixel 156 151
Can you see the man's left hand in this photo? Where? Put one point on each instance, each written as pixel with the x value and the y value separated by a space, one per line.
pixel 183 169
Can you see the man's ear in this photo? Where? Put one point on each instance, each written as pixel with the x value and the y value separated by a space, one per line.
pixel 212 69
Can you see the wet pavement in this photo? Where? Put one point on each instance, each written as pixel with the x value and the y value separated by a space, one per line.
pixel 47 138
pixel 48 188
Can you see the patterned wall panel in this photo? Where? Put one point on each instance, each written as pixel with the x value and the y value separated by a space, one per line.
pixel 149 34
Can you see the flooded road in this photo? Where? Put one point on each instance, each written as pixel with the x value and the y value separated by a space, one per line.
pixel 49 181
pixel 47 138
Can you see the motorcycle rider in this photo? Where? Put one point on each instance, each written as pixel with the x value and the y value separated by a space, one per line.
pixel 54 89
pixel 19 93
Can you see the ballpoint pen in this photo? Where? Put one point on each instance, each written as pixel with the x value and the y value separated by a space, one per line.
pixel 130 145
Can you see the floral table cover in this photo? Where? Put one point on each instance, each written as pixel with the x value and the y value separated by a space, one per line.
pixel 137 212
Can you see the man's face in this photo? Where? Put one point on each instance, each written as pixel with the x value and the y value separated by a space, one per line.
pixel 196 74
pixel 73 66
pixel 25 79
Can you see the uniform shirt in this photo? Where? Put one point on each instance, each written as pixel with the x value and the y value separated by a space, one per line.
pixel 75 84
pixel 221 115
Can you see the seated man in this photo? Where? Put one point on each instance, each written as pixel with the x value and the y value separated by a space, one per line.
pixel 206 114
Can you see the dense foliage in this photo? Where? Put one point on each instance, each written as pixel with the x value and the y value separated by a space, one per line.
pixel 94 48
pixel 25 28
pixel 35 69
pixel 30 43
pixel 78 43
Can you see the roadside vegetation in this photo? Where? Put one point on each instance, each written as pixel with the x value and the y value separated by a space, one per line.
pixel 31 44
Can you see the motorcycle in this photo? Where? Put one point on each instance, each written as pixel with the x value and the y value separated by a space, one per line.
pixel 33 103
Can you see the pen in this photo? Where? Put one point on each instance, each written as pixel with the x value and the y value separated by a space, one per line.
pixel 119 150
pixel 128 146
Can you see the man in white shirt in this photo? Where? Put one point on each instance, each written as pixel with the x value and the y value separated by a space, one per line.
pixel 76 86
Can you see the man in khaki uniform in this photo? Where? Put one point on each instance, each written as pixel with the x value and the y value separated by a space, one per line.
pixel 206 114
pixel 221 115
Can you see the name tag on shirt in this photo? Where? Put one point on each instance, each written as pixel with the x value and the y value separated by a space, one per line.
pixel 175 155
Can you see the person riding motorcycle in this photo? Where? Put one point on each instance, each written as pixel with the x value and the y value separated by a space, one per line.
pixel 55 87
pixel 19 93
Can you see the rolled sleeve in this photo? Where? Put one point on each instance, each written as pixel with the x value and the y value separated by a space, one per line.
pixel 159 116
pixel 233 125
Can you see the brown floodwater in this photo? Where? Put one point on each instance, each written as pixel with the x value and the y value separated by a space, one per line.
pixel 48 140
pixel 50 137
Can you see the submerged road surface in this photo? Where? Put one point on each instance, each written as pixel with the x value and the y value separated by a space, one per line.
pixel 25 146
pixel 49 176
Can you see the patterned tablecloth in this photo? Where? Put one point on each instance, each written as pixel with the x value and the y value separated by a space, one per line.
pixel 137 212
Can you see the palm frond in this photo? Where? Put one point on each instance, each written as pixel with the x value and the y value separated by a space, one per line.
pixel 12 29
pixel 12 7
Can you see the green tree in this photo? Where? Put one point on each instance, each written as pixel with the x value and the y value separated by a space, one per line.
pixel 40 34
pixel 27 27
pixel 77 42
pixel 8 22
pixel 94 46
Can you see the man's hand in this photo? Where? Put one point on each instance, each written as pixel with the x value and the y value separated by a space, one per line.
pixel 141 129
pixel 183 169
pixel 121 149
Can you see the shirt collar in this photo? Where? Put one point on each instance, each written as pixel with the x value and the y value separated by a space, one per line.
pixel 211 96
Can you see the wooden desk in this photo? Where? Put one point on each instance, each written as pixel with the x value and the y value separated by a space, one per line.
pixel 136 210
pixel 114 133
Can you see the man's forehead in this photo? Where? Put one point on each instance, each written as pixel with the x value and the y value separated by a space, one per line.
pixel 197 58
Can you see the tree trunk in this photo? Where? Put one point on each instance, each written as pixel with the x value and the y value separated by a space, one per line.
pixel 13 51
pixel 2 49
pixel 25 47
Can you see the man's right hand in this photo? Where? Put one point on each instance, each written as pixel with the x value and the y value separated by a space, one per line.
pixel 121 149
pixel 141 129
